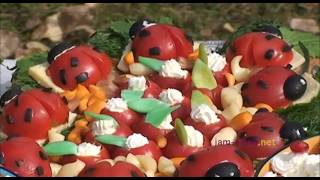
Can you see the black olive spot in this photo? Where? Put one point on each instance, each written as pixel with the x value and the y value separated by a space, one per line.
pixel 262 84
pixel 10 119
pixel 82 77
pixel 269 54
pixel 240 154
pixel 47 90
pixel 17 101
pixel 56 50
pixel 262 110
pixel 244 86
pixel 246 101
pixel 191 158
pixel 74 62
pixel 43 155
pixel 64 99
pixel 144 33
pixel 291 131
pixel 252 138
pixel 90 170
pixel 9 95
pixel 226 169
pixel 189 38
pixel 242 134
pixel 134 174
pixel 1 158
pixel 19 163
pixel 39 171
pixel 294 87
pixel 269 37
pixel 288 66
pixel 155 51
pixel 62 76
pixel 267 128
pixel 138 26
pixel 28 115
pixel 287 48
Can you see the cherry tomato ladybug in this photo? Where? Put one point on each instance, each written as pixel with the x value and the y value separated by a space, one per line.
pixel 32 113
pixel 169 82
pixel 149 131
pixel 24 157
pixel 159 41
pixel 274 85
pixel 260 49
pixel 217 161
pixel 105 169
pixel 71 65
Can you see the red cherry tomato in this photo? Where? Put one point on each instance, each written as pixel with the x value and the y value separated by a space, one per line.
pixel 161 41
pixel 214 95
pixel 299 146
pixel 79 65
pixel 175 149
pixel 207 130
pixel 148 130
pixel 153 90
pixel 220 77
pixel 260 49
pixel 168 82
pixel 150 149
pixel 183 111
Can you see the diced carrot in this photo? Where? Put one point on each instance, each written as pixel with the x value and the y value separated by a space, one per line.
pixel 194 55
pixel 241 120
pixel 177 161
pixel 128 58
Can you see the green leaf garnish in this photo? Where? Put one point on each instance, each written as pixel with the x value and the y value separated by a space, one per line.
pixel 61 148
pixel 198 98
pixel 112 139
pixel 181 132
pixel 202 76
pixel 151 63
pixel 165 20
pixel 146 105
pixel 131 95
pixel 98 116
pixel 158 115
pixel 203 53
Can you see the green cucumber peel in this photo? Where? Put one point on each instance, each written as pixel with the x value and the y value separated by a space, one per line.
pixel 146 105
pixel 112 140
pixel 151 63
pixel 61 148
pixel 131 95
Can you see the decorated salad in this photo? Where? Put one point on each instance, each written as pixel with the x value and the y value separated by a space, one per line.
pixel 145 99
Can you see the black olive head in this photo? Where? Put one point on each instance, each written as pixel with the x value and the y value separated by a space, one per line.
pixel 226 169
pixel 9 95
pixel 292 131
pixel 270 29
pixel 294 87
pixel 138 26
pixel 58 49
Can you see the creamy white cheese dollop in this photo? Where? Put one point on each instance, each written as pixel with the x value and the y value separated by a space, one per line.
pixel 166 124
pixel 216 62
pixel 195 137
pixel 270 174
pixel 290 164
pixel 102 127
pixel 117 105
pixel 203 113
pixel 88 149
pixel 172 68
pixel 136 140
pixel 171 96
pixel 137 83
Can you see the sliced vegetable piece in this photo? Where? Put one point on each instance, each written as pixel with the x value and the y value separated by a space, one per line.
pixel 130 95
pixel 146 105
pixel 158 115
pixel 202 76
pixel 152 63
pixel 181 132
pixel 112 139
pixel 198 98
pixel 98 116
pixel 203 53
pixel 61 148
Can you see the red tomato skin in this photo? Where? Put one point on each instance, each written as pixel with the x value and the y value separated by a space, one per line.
pixel 151 149
pixel 201 161
pixel 104 169
pixel 149 130
pixel 19 127
pixel 175 149
pixel 183 111
pixel 170 41
pixel 299 146
pixel 128 117
pixel 266 141
pixel 88 160
pixel 253 46
pixel 153 90
pixel 97 65
pixel 214 95
pixel 273 93
pixel 207 130
pixel 28 151
pixel 220 76
pixel 168 82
